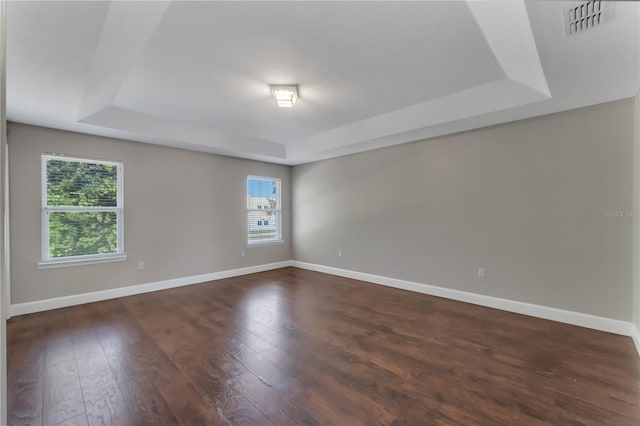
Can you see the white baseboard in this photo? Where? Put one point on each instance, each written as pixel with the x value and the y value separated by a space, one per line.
pixel 554 314
pixel 96 296
pixel 636 338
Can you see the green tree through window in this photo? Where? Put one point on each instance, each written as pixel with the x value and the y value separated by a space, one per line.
pixel 83 210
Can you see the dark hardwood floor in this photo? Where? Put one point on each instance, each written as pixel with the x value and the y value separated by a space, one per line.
pixel 298 347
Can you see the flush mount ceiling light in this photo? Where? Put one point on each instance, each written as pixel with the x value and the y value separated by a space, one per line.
pixel 285 96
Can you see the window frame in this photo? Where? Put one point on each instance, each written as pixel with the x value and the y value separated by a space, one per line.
pixel 119 255
pixel 278 212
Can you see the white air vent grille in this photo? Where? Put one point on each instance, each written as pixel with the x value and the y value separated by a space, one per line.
pixel 587 15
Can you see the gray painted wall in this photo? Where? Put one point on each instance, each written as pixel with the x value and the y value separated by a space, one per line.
pixel 4 285
pixel 525 200
pixel 636 216
pixel 184 213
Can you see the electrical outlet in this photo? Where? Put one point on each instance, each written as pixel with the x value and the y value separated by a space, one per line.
pixel 243 253
pixel 481 273
pixel 339 253
pixel 141 265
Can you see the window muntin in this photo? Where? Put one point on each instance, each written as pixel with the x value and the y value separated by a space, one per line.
pixel 263 210
pixel 82 209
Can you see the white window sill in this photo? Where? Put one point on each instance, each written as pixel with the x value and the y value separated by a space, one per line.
pixel 77 262
pixel 264 243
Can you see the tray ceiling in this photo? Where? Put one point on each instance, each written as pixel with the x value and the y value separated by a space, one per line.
pixel 196 75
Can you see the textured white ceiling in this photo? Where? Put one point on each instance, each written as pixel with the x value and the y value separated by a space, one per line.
pixel 371 74
pixel 348 68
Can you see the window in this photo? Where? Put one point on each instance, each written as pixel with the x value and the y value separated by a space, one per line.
pixel 263 210
pixel 81 210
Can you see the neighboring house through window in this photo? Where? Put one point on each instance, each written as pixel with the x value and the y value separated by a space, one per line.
pixel 263 210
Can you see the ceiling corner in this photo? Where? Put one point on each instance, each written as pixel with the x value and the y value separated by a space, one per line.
pixel 507 29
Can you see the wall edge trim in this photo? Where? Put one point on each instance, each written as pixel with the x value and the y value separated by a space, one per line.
pixel 636 338
pixel 97 296
pixel 539 311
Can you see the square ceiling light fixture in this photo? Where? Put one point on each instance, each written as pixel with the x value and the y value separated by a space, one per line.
pixel 285 96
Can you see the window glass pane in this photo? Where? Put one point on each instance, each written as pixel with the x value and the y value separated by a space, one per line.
pixel 82 233
pixel 263 202
pixel 73 183
pixel 262 226
pixel 262 194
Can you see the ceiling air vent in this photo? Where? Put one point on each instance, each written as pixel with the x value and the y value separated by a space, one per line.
pixel 586 15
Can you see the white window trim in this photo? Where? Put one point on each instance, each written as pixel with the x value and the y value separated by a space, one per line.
pixel 82 260
pixel 278 212
pixel 265 243
pixel 47 262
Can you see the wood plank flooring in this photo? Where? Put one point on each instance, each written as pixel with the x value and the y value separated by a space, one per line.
pixel 299 347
